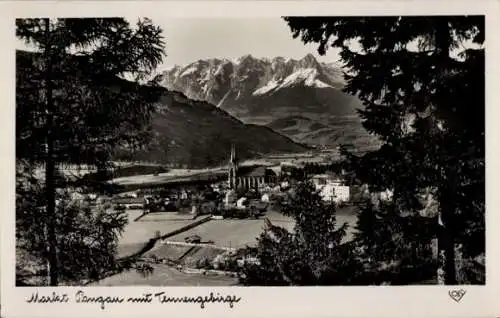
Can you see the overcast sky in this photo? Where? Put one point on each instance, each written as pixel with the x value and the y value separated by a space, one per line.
pixel 191 39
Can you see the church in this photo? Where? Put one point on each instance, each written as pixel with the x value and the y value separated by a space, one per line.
pixel 247 177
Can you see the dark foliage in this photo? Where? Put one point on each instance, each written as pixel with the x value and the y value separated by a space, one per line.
pixel 423 96
pixel 73 106
pixel 311 255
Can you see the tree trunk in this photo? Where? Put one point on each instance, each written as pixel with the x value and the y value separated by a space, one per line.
pixel 50 165
pixel 446 245
pixel 446 241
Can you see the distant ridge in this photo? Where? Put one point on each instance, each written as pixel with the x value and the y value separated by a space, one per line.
pixel 197 133
pixel 273 92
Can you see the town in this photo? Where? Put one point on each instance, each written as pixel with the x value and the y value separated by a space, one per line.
pixel 245 192
pixel 200 221
pixel 280 168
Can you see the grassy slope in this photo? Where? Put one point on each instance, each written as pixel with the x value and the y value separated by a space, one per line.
pixel 199 134
pixel 323 130
pixel 307 115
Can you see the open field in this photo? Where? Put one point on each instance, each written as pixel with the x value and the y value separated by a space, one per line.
pixel 164 275
pixel 138 233
pixel 175 175
pixel 178 175
pixel 125 249
pixel 142 230
pixel 168 251
pixel 71 170
pixel 226 233
pixel 184 254
pixel 241 233
pixel 202 253
pixel 172 175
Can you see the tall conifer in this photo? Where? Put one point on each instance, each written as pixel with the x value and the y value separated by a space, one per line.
pixel 74 106
pixel 421 80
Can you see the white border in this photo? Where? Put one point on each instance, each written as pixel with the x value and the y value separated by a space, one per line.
pixel 432 301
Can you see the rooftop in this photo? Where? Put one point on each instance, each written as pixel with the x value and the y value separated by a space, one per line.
pixel 255 171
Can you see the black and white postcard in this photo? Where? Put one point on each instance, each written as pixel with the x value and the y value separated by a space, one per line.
pixel 249 158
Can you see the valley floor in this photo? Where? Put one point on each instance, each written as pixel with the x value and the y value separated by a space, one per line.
pixel 164 275
pixel 223 233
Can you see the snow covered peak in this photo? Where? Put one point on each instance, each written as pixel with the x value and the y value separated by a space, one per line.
pixel 308 61
pixel 221 80
pixel 269 87
pixel 307 77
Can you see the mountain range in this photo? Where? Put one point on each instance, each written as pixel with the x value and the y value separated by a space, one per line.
pixel 185 131
pixel 302 99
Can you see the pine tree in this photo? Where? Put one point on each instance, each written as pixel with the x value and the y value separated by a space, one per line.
pixel 310 255
pixel 73 103
pixel 423 96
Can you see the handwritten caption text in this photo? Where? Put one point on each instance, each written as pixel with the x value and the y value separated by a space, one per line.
pixel 146 298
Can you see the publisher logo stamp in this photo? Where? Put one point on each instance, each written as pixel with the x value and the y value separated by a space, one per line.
pixel 457 295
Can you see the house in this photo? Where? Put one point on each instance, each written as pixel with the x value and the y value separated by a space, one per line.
pixel 331 188
pixel 230 198
pixel 194 209
pixel 284 185
pixel 324 179
pixel 242 203
pixel 184 195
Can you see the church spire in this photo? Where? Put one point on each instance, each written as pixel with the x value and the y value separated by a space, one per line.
pixel 233 167
pixel 233 154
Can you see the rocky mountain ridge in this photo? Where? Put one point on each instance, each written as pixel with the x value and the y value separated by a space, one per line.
pixel 185 132
pixel 274 93
pixel 245 85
